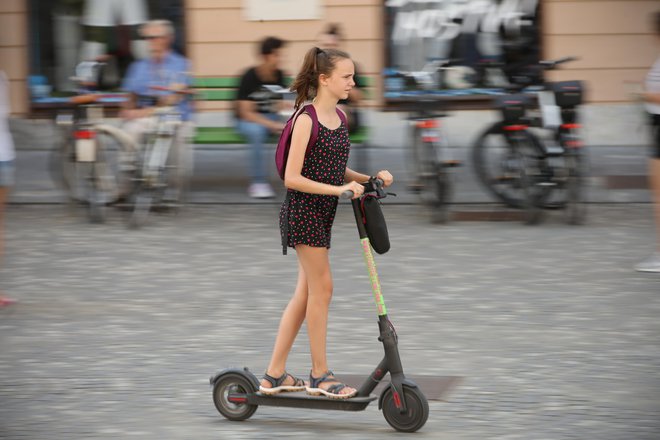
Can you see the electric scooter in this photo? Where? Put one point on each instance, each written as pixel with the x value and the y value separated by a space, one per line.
pixel 404 406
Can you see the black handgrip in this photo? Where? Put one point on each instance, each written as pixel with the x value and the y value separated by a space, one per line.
pixel 551 64
pixel 372 185
pixel 566 60
pixel 378 186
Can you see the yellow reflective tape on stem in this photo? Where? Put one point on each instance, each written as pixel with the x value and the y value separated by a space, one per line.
pixel 373 277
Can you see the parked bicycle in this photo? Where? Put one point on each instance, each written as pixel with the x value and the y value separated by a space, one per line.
pixel 159 179
pixel 86 160
pixel 430 161
pixel 523 171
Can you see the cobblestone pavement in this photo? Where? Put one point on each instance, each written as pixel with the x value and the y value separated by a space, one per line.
pixel 116 331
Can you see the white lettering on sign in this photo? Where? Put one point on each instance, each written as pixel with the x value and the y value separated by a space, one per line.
pixel 446 19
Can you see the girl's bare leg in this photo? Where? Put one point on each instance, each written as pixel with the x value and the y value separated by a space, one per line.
pixel 654 177
pixel 290 324
pixel 4 192
pixel 316 265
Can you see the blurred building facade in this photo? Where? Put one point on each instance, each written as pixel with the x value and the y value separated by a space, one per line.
pixel 613 40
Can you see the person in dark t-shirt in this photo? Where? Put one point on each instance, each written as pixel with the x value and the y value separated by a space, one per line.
pixel 257 109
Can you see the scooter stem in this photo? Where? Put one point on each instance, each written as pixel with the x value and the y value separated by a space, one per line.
pixel 369 258
pixel 391 362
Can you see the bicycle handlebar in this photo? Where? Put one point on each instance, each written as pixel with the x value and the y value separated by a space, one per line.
pixel 88 98
pixel 185 91
pixel 552 64
pixel 166 109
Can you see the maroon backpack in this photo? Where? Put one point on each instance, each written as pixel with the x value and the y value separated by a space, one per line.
pixel 283 145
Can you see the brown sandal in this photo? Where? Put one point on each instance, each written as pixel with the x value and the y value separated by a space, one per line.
pixel 277 384
pixel 333 391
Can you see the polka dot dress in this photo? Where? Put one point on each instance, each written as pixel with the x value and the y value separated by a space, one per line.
pixel 310 216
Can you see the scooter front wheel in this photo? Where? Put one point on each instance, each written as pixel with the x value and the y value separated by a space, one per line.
pixel 416 414
pixel 230 396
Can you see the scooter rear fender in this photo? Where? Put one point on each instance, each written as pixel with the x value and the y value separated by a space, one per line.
pixel 242 371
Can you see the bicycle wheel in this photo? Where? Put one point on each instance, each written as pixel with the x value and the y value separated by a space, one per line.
pixel 142 202
pixel 112 178
pixel 96 196
pixel 413 159
pixel 434 186
pixel 177 171
pixel 142 193
pixel 576 208
pixel 498 164
pixel 152 184
pixel 530 204
pixel 86 190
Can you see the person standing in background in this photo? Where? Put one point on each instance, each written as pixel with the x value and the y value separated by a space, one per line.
pixel 7 156
pixel 651 96
pixel 331 38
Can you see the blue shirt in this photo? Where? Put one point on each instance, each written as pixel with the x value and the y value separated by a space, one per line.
pixel 143 74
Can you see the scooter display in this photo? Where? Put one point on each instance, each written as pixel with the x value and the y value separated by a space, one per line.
pixel 404 406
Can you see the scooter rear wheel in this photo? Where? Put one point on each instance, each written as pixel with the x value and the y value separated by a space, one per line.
pixel 416 414
pixel 233 385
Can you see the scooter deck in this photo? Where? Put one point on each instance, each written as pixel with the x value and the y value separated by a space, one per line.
pixel 302 400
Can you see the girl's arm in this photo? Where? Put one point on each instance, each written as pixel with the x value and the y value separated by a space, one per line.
pixel 651 97
pixel 384 175
pixel 351 175
pixel 293 179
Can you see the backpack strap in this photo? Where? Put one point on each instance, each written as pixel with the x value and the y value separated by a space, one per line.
pixel 311 112
pixel 313 136
pixel 342 116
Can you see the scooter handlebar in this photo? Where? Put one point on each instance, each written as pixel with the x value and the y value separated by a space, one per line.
pixel 372 185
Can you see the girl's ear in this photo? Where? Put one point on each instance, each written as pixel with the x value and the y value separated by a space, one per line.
pixel 323 79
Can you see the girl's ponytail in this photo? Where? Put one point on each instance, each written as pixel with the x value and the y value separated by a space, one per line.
pixel 307 80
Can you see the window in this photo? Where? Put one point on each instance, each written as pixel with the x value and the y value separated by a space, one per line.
pixel 492 44
pixel 65 33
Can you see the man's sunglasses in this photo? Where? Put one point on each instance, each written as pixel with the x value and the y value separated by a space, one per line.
pixel 153 37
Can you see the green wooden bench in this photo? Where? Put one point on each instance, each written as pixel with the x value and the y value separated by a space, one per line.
pixel 224 89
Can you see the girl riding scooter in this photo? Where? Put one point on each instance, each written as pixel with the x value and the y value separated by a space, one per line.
pixel 314 180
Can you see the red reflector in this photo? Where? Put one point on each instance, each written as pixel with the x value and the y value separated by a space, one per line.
pixel 569 126
pixel 397 399
pixel 574 144
pixel 515 127
pixel 431 123
pixel 84 134
pixel 429 139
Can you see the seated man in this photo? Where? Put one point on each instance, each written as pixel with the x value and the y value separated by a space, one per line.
pixel 152 82
pixel 257 112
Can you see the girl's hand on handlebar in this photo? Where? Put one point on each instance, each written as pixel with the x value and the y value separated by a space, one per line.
pixel 356 188
pixel 386 177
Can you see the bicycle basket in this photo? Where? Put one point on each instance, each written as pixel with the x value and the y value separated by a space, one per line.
pixel 568 93
pixel 512 107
